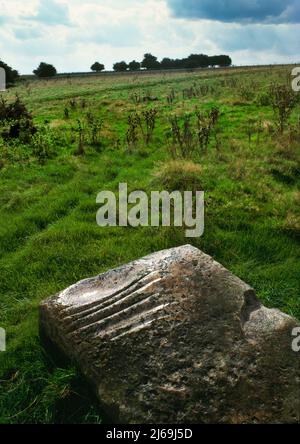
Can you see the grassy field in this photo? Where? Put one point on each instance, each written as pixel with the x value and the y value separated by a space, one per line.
pixel 49 238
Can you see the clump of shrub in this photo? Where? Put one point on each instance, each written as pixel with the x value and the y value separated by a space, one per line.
pixel 43 145
pixel 13 152
pixel 95 125
pixel 80 130
pixel 263 99
pixel 73 103
pixel 182 137
pixel 178 175
pixel 246 92
pixel 283 101
pixel 205 124
pixel 171 97
pixel 141 125
pixel 192 135
pixel 132 136
pixel 16 121
pixel 294 133
pixel 253 127
pixel 136 98
pixel 199 90
pixel 147 123
pixel 66 113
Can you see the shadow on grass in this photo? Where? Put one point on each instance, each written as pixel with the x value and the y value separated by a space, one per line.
pixel 79 403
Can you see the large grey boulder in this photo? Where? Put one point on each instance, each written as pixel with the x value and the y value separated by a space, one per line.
pixel 176 338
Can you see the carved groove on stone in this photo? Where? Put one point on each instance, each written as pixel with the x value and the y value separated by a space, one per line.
pixel 175 338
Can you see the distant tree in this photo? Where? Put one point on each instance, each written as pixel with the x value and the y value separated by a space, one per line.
pixel 221 60
pixel 191 62
pixel 11 74
pixel 150 62
pixel 45 70
pixel 134 66
pixel 179 63
pixel 98 67
pixel 197 61
pixel 225 60
pixel 120 67
pixel 167 63
pixel 213 61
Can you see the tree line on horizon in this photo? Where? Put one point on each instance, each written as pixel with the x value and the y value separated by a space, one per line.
pixel 149 62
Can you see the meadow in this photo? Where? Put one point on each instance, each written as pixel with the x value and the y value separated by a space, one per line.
pixel 220 131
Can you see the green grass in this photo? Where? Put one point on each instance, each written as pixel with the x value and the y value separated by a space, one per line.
pixel 48 233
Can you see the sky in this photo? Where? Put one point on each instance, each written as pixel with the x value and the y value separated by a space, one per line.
pixel 73 34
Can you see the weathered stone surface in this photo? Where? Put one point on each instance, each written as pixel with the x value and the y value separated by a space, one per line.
pixel 176 338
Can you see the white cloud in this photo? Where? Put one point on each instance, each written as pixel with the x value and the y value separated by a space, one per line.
pixel 51 12
pixel 73 34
